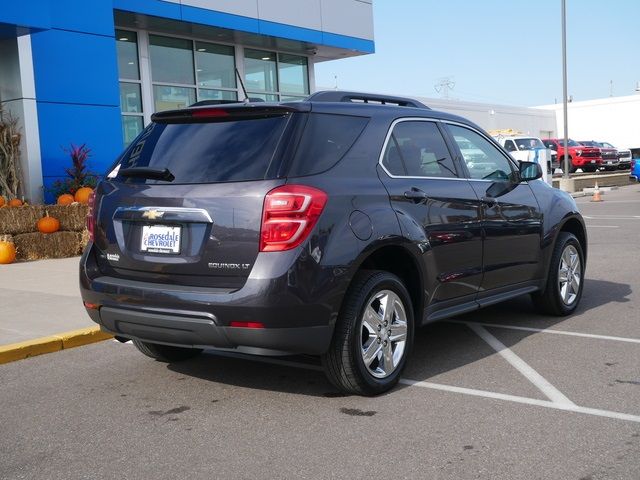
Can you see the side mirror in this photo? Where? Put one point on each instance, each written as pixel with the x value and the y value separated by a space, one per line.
pixel 530 171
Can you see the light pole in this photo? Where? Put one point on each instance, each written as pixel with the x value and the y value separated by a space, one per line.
pixel 565 106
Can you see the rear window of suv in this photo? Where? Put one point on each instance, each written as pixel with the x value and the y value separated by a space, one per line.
pixel 227 151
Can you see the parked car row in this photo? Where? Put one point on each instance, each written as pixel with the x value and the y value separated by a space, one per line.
pixel 589 155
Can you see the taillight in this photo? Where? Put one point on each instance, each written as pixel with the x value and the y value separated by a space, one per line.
pixel 289 214
pixel 91 219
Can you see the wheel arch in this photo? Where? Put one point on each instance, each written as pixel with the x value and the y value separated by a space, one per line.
pixel 402 262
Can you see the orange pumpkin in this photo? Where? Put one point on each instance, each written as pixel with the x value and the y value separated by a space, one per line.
pixel 48 224
pixel 2 201
pixel 82 195
pixel 7 253
pixel 66 199
pixel 15 202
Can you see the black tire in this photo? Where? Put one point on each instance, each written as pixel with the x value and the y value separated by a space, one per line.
pixel 343 363
pixel 550 301
pixel 166 353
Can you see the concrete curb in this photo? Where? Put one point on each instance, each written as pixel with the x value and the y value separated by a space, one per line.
pixel 52 343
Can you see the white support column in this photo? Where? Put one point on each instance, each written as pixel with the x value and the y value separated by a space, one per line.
pixel 144 61
pixel 312 75
pixel 239 57
pixel 31 158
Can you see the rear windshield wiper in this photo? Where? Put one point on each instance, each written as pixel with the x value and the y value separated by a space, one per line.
pixel 148 172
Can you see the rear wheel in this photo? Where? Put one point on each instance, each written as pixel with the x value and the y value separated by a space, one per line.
pixel 373 335
pixel 566 278
pixel 166 353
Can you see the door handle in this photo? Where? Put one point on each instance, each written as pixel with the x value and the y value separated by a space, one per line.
pixel 415 194
pixel 489 201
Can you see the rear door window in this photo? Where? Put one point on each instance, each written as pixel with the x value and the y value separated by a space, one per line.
pixel 226 151
pixel 417 149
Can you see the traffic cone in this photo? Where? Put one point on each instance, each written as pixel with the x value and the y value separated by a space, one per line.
pixel 596 194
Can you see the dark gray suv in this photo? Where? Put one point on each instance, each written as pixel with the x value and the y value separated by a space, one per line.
pixel 334 226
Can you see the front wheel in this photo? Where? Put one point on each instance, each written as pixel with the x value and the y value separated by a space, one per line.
pixel 166 353
pixel 373 335
pixel 566 278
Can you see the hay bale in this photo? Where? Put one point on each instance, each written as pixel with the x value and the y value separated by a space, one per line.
pixel 36 245
pixel 84 240
pixel 16 220
pixel 72 217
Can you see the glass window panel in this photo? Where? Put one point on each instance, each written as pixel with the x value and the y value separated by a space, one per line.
pixel 293 74
pixel 171 60
pixel 215 65
pixel 263 96
pixel 484 161
pixel 131 128
pixel 417 149
pixel 127 48
pixel 171 98
pixel 206 94
pixel 130 101
pixel 260 71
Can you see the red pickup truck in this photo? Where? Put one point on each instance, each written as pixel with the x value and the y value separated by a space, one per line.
pixel 589 159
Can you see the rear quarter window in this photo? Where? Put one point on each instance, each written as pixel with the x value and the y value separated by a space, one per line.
pixel 325 140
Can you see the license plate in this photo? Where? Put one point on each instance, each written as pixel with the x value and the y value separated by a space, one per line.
pixel 609 162
pixel 593 161
pixel 160 239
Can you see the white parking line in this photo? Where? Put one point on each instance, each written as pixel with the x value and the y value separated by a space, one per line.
pixel 611 217
pixel 525 400
pixel 523 367
pixel 556 332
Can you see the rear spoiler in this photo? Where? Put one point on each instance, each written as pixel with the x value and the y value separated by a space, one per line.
pixel 227 112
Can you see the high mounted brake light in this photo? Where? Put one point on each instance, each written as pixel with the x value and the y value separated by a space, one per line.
pixel 209 113
pixel 289 214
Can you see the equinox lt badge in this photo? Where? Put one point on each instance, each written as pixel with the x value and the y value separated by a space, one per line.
pixel 230 266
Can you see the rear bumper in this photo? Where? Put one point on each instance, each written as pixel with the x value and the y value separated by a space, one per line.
pixel 292 320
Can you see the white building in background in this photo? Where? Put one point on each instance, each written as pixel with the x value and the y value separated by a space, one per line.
pixel 612 119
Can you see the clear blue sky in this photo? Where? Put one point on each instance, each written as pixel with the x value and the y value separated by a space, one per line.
pixel 497 51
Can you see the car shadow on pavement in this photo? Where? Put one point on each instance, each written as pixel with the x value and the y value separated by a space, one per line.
pixel 439 348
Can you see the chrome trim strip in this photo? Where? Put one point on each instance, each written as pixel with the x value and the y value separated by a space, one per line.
pixel 200 211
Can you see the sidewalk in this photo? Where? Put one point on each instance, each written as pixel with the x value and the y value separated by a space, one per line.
pixel 39 299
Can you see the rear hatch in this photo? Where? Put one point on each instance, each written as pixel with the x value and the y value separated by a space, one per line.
pixel 183 205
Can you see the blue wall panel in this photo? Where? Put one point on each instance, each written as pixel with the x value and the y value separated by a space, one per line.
pixel 62 124
pixel 220 19
pixel 156 8
pixel 90 16
pixel 32 14
pixel 75 67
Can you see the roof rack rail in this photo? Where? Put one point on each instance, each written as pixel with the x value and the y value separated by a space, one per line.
pixel 359 97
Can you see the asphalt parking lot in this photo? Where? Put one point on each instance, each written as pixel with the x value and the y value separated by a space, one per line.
pixel 502 393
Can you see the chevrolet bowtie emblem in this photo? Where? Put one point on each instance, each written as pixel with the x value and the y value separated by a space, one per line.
pixel 152 214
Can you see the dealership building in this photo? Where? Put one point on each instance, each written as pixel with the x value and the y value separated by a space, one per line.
pixel 93 72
